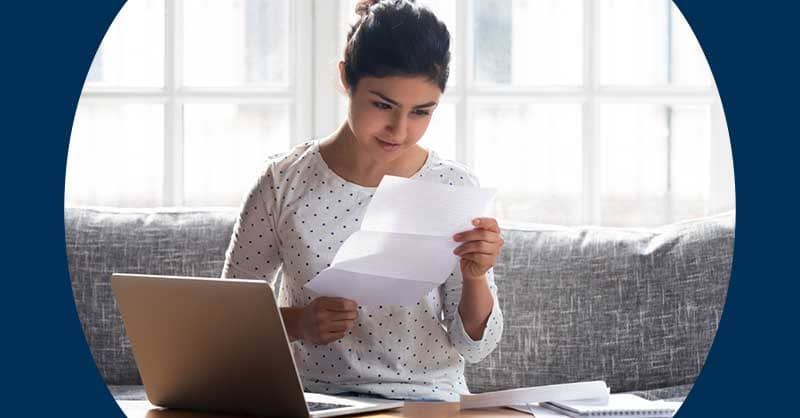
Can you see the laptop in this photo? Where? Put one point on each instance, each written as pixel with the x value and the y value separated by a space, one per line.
pixel 219 345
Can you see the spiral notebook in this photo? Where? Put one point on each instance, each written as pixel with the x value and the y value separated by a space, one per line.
pixel 618 405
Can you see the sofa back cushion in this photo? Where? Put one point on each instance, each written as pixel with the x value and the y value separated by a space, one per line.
pixel 100 242
pixel 637 308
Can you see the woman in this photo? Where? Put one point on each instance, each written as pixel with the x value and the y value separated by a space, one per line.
pixel 310 199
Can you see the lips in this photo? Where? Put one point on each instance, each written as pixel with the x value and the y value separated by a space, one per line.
pixel 389 146
pixel 387 142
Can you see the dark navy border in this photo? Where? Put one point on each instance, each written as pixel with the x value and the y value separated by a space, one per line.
pixel 753 50
pixel 47 368
pixel 46 51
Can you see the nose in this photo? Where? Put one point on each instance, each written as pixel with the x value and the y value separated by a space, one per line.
pixel 397 128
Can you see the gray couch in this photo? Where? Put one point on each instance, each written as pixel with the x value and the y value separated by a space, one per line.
pixel 637 308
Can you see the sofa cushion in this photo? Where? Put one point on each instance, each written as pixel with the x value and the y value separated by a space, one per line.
pixel 636 308
pixel 100 242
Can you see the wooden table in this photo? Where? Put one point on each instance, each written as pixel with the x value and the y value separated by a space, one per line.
pixel 144 409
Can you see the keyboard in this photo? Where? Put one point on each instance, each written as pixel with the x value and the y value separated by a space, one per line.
pixel 322 406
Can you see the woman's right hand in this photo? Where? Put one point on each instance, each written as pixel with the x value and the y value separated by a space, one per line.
pixel 326 319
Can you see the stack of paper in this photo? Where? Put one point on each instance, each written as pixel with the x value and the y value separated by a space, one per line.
pixel 405 246
pixel 596 390
pixel 582 399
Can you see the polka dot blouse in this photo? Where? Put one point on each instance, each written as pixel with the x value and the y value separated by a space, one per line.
pixel 293 221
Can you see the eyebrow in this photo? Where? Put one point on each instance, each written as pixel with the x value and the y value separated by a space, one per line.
pixel 429 104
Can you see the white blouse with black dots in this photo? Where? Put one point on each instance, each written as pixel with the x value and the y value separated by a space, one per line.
pixel 294 219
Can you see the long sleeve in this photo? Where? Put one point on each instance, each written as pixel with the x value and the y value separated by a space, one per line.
pixel 472 351
pixel 253 251
pixel 296 220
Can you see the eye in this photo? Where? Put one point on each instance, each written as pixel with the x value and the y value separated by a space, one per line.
pixel 421 112
pixel 381 105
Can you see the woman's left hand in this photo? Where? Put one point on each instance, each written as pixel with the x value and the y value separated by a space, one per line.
pixel 480 248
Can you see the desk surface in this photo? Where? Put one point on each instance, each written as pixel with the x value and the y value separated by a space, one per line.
pixel 144 409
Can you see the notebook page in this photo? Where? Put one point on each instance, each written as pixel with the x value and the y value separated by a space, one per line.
pixel 620 403
pixel 537 411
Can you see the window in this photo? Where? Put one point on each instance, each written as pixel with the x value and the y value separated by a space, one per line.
pixel 186 99
pixel 578 111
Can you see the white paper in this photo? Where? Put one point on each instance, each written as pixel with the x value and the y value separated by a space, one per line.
pixel 617 404
pixel 538 411
pixel 418 207
pixel 404 248
pixel 568 391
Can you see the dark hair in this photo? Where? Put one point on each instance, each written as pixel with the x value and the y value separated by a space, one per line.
pixel 397 38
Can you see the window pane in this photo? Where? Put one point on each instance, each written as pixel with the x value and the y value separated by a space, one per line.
pixel 132 52
pixel 689 64
pixel 116 156
pixel 690 153
pixel 445 10
pixel 528 42
pixel 532 154
pixel 655 163
pixel 648 42
pixel 225 146
pixel 236 43
pixel 441 133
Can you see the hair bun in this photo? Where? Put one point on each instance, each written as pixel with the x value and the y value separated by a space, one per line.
pixel 362 8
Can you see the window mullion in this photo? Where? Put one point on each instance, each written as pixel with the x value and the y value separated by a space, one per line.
pixel 301 42
pixel 721 195
pixel 465 142
pixel 173 109
pixel 325 97
pixel 591 122
pixel 669 115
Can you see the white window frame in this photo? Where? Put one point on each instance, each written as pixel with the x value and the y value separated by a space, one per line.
pixel 590 95
pixel 315 33
pixel 298 94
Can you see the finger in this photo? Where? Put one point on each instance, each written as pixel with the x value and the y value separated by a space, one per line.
pixel 332 336
pixel 338 304
pixel 477 235
pixel 334 327
pixel 487 223
pixel 484 260
pixel 340 316
pixel 348 325
pixel 336 333
pixel 477 247
pixel 323 317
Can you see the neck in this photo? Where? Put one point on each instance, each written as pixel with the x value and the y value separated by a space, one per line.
pixel 347 158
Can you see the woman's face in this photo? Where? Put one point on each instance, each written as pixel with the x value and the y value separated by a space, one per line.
pixel 389 115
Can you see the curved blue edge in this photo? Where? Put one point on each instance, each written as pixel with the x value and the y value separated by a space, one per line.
pixel 47 49
pixel 704 398
pixel 751 367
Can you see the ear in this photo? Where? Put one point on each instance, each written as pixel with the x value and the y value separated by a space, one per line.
pixel 343 78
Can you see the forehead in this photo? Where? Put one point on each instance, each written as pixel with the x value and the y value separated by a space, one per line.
pixel 409 91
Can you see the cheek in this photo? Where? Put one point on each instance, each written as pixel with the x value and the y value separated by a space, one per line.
pixel 418 127
pixel 366 119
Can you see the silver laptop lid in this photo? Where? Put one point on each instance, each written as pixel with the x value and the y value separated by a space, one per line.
pixel 210 344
